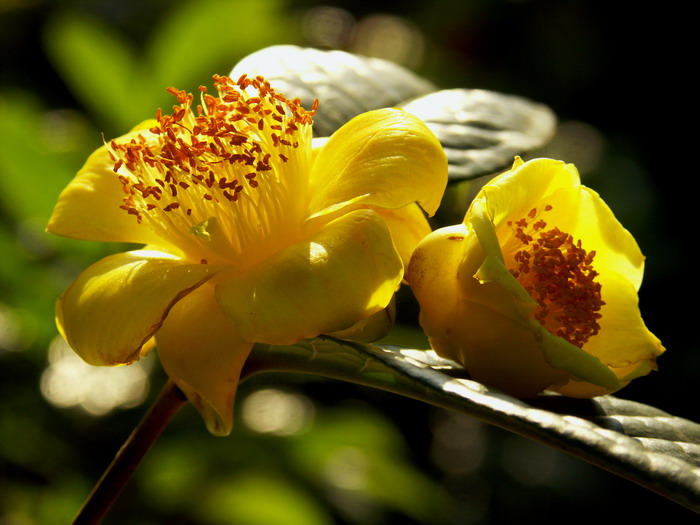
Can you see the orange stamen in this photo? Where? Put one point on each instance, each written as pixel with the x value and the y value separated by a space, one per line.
pixel 222 135
pixel 559 275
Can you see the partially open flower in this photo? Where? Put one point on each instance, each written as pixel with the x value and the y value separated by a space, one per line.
pixel 537 288
pixel 251 234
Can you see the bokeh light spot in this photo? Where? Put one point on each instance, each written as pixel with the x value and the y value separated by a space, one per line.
pixel 273 411
pixel 70 382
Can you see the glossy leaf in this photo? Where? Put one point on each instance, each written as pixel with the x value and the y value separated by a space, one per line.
pixel 482 131
pixel 345 84
pixel 635 441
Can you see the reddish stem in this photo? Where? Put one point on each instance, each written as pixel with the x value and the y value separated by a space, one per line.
pixel 104 494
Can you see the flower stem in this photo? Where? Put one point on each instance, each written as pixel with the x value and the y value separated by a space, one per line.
pixel 104 494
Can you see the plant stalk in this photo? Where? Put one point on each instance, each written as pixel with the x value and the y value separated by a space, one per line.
pixel 104 494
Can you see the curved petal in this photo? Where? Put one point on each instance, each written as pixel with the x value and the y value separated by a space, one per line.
pixel 616 248
pixel 583 389
pixel 475 323
pixel 557 352
pixel 386 158
pixel 623 339
pixel 116 305
pixel 575 209
pixel 513 193
pixel 432 275
pixel 501 351
pixel 89 207
pixel 202 351
pixel 408 226
pixel 345 272
pixel 372 328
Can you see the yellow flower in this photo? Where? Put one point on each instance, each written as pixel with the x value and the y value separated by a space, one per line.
pixel 251 233
pixel 537 288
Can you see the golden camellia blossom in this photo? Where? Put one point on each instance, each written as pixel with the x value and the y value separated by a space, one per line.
pixel 537 288
pixel 251 233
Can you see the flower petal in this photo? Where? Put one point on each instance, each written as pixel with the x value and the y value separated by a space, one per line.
pixel 556 351
pixel 386 158
pixel 202 351
pixel 345 272
pixel 89 207
pixel 118 303
pixel 624 339
pixel 616 248
pixel 408 226
pixel 476 324
pixel 432 274
pixel 575 209
pixel 513 193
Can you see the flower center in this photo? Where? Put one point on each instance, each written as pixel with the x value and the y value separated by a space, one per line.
pixel 225 179
pixel 558 274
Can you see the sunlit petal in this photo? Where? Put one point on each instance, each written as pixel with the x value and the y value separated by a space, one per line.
pixel 432 273
pixel 408 226
pixel 345 272
pixel 386 158
pixel 116 305
pixel 296 237
pixel 203 353
pixel 624 338
pixel 545 281
pixel 89 207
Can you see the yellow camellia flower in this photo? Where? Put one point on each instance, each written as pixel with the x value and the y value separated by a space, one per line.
pixel 251 234
pixel 537 288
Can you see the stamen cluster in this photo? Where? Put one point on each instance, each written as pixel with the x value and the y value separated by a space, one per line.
pixel 558 274
pixel 231 142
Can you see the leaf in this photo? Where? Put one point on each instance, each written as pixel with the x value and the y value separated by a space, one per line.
pixel 218 33
pixel 482 131
pixel 344 84
pixel 635 441
pixel 122 85
pixel 97 64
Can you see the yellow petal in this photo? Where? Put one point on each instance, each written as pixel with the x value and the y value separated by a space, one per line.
pixel 624 339
pixel 408 226
pixel 557 352
pixel 202 351
pixel 386 158
pixel 116 305
pixel 616 248
pixel 476 324
pixel 89 207
pixel 372 328
pixel 432 274
pixel 516 192
pixel 345 272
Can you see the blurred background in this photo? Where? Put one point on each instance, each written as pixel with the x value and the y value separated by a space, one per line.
pixel 308 450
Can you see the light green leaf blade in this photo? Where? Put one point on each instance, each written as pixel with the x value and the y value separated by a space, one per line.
pixel 246 499
pixel 97 64
pixel 635 441
pixel 199 39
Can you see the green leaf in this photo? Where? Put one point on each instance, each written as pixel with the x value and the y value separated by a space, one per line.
pixel 261 499
pixel 482 131
pixel 641 443
pixel 97 64
pixel 344 84
pixel 39 153
pixel 122 85
pixel 202 38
